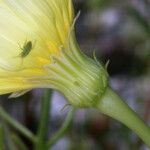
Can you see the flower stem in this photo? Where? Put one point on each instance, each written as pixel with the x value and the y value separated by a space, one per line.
pixel 24 131
pixel 112 105
pixel 62 130
pixel 42 130
pixel 17 140
pixel 1 137
pixel 10 144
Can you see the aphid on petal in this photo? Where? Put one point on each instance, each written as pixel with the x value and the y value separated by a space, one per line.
pixel 26 49
pixel 28 46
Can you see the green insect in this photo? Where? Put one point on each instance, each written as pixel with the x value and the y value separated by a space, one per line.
pixel 26 49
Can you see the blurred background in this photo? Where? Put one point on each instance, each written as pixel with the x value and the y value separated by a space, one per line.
pixel 119 32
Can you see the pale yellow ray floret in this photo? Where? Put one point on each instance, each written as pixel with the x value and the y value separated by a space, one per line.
pixel 45 23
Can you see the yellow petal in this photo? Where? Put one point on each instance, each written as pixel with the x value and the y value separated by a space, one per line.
pixel 46 24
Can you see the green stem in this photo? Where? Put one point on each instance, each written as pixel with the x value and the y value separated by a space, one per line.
pixel 62 130
pixel 42 130
pixel 15 124
pixel 112 105
pixel 10 145
pixel 18 142
pixel 1 137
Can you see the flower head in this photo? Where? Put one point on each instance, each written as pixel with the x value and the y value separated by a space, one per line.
pixel 38 49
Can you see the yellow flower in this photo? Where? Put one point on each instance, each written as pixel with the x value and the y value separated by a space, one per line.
pixel 45 23
pixel 38 50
